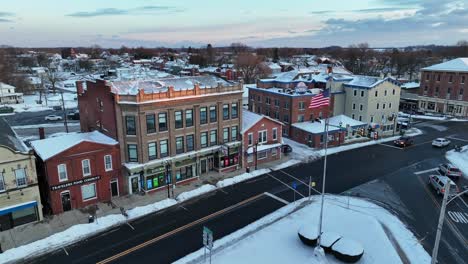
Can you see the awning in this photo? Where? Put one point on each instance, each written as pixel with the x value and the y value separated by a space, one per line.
pixel 17 207
pixel 263 147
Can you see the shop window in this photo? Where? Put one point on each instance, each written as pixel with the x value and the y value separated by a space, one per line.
pixel 213 115
pixel 203 116
pixel 274 152
pixel 108 162
pixel 132 153
pixel 250 158
pixel 179 123
pixel 204 139
pixel 234 111
pixel 162 119
pixel 62 172
pixel 163 148
pixel 130 125
pixel 20 175
pixel 152 151
pixel 155 181
pixel 229 160
pixel 225 134
pixel 234 133
pixel 184 173
pixel 189 118
pixel 88 191
pixel 213 137
pixel 86 167
pixel 225 112
pixel 24 216
pixel 262 154
pixel 190 143
pixel 150 124
pixel 179 145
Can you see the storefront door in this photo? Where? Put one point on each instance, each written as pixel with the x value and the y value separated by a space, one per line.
pixel 203 166
pixel 66 204
pixel 211 163
pixel 134 184
pixel 114 188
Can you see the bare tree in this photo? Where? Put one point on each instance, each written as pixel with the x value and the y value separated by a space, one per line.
pixel 251 67
pixel 238 47
pixel 53 77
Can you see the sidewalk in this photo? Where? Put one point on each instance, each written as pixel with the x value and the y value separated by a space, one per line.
pixel 26 234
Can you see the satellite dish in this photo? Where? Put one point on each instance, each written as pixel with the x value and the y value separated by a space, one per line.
pixel 301 88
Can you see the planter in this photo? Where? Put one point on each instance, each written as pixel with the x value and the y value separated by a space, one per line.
pixel 327 240
pixel 347 250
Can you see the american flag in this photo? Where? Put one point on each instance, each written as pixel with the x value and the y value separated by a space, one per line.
pixel 322 99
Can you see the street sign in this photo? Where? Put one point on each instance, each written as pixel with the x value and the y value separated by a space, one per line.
pixel 294 185
pixel 312 184
pixel 207 238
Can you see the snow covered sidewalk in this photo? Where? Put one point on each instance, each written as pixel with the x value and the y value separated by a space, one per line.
pixel 459 159
pixel 274 238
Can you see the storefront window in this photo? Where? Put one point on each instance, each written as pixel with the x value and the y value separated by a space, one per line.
pixel 262 154
pixel 155 181
pixel 24 216
pixel 88 191
pixel 184 173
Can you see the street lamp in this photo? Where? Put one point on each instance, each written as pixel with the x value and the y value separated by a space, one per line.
pixel 168 179
pixel 256 153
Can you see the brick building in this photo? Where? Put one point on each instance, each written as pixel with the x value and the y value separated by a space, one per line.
pixel 444 88
pixel 261 139
pixel 78 170
pixel 170 131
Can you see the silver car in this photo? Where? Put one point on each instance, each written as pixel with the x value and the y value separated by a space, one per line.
pixel 438 183
pixel 440 142
pixel 449 170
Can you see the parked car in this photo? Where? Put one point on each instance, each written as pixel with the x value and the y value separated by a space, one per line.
pixel 403 141
pixel 465 189
pixel 53 118
pixel 285 148
pixel 57 107
pixel 438 183
pixel 73 115
pixel 440 142
pixel 450 171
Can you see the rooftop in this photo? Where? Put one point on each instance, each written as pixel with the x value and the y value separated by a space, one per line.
pixel 10 139
pixel 335 122
pixel 49 147
pixel 368 81
pixel 249 119
pixel 455 65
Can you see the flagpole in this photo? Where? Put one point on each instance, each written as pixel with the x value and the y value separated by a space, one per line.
pixel 323 183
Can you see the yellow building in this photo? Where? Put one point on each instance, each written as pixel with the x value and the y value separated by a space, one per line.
pixel 20 201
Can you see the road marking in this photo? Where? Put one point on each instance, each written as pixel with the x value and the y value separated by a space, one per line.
pixel 276 198
pixel 390 146
pixel 130 225
pixel 299 181
pixel 175 231
pixel 458 217
pixel 426 171
pixel 464 140
pixel 66 252
pixel 287 185
pixel 223 191
pixel 180 206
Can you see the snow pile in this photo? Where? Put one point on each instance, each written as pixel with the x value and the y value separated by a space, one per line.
pixel 146 209
pixel 193 193
pixel 242 177
pixel 286 164
pixel 362 222
pixel 459 159
pixel 301 151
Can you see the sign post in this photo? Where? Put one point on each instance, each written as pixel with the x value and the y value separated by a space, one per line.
pixel 294 185
pixel 207 240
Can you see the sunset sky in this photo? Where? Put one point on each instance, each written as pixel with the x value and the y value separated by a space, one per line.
pixel 176 23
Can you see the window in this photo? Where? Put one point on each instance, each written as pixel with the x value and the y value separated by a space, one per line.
pixel 385 93
pixel 152 151
pixel 393 92
pixel 437 91
pixel 427 77
pixel 267 112
pixel 132 153
pixel 372 119
pixel 361 107
pixel 277 103
pixel 389 105
pixel 449 91
pixel 354 106
pixel 300 118
pixel 2 182
pixel 162 117
pixel 62 172
pixel 213 137
pixel 234 111
pixel 275 133
pixel 130 125
pixel 189 118
pixel 259 110
pixel 234 133
pixel 360 118
pixel 463 79
pixel 179 145
pixel 179 123
pixel 226 134
pixel 286 118
pixel 225 112
pixel 261 154
pixel 190 142
pixel 355 92
pixel 88 192
pixel 204 139
pixel 213 115
pixel 150 124
pixel 86 167
pixel 274 152
pixel 276 115
pixel 377 106
pixel 203 116
pixel 286 105
pixel 250 139
pixel 20 175
pixel 450 78
pixel 262 136
pixel 301 106
pixel 461 91
pixel 376 93
pixel 108 162
pixel 352 116
pixel 267 100
pixel 362 93
pixel 259 98
pixel 438 77
pixel 383 106
pixel 163 148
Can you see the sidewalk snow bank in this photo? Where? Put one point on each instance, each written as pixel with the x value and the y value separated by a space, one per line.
pixel 286 164
pixel 459 159
pixel 362 222
pixel 193 193
pixel 241 178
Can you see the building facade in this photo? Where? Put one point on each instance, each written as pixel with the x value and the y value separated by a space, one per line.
pixel 78 170
pixel 444 88
pixel 20 201
pixel 170 131
pixel 261 139
pixel 8 94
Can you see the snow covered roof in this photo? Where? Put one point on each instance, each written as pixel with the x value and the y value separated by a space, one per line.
pixel 335 122
pixel 345 121
pixel 49 147
pixel 249 119
pixel 368 81
pixel 456 65
pixel 10 139
pixel 6 86
pixel 410 85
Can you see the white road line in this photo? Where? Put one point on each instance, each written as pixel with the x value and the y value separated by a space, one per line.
pixel 390 146
pixel 223 191
pixel 130 225
pixel 426 171
pixel 180 206
pixel 287 185
pixel 299 181
pixel 464 140
pixel 276 198
pixel 66 252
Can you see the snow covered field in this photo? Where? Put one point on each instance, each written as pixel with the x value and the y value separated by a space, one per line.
pixel 270 241
pixel 459 159
pixel 30 104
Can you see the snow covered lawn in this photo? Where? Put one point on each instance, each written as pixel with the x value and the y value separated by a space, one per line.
pixel 459 159
pixel 271 241
pixel 30 104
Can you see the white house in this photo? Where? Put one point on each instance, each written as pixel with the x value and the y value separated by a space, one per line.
pixel 8 94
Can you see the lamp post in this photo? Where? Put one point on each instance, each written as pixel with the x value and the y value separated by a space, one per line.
pixel 168 179
pixel 256 153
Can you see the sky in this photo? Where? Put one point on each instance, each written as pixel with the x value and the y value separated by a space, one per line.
pixel 257 23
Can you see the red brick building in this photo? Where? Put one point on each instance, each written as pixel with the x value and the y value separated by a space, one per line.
pixel 444 88
pixel 78 170
pixel 261 139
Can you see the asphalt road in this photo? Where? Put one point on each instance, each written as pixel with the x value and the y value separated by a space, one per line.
pixel 33 118
pixel 346 170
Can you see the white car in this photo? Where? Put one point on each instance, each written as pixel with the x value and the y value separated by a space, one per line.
pixel 440 142
pixel 53 118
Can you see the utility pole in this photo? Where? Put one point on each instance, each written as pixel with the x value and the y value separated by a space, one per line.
pixel 256 154
pixel 64 112
pixel 168 180
pixel 435 250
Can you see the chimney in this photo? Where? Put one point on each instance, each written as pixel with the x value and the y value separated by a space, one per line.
pixel 41 133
